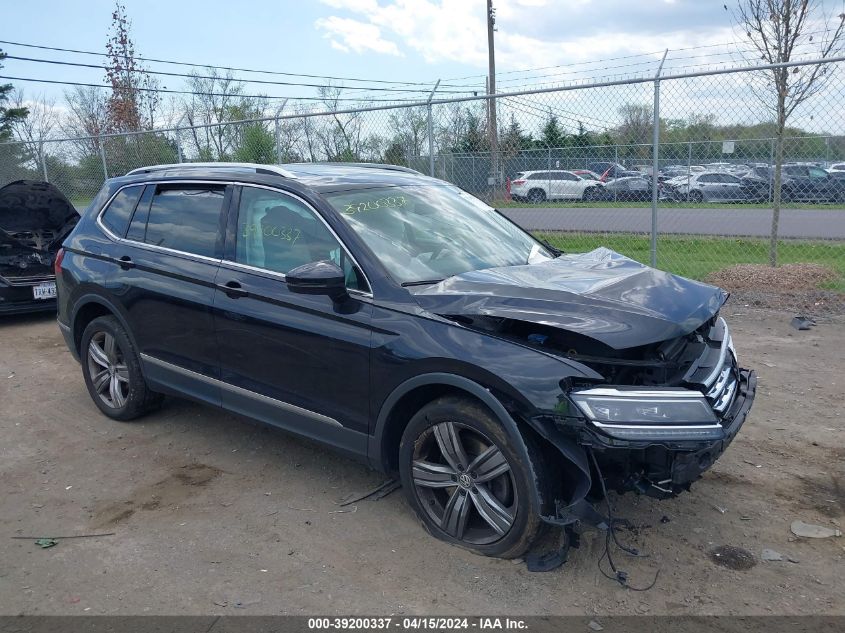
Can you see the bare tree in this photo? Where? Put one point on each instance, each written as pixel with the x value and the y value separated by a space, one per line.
pixel 87 117
pixel 341 138
pixel 38 126
pixel 778 29
pixel 215 98
pixel 409 127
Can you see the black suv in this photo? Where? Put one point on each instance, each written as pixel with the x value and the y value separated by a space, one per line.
pixel 406 323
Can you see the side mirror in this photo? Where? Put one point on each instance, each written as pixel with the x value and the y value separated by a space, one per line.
pixel 317 278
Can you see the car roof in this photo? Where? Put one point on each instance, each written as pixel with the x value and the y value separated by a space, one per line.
pixel 323 177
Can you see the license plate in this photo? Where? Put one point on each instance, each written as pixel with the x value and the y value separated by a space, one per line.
pixel 47 290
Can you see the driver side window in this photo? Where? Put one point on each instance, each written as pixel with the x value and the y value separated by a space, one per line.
pixel 277 232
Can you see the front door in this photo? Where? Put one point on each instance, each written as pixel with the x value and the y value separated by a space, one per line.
pixel 297 361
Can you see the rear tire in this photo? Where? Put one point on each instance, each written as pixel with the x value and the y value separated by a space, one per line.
pixel 464 478
pixel 112 371
pixel 536 195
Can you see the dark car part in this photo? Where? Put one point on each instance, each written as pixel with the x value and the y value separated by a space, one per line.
pixel 34 219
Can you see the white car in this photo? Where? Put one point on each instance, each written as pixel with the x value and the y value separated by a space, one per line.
pixel 836 167
pixel 538 186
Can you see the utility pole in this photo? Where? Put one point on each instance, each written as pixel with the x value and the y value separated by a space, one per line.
pixel 491 103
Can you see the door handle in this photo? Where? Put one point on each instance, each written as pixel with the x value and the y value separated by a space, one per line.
pixel 233 289
pixel 126 262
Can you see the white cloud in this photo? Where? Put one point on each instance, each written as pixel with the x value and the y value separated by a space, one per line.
pixel 347 35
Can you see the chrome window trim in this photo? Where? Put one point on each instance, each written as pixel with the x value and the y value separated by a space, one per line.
pixel 319 215
pixel 280 404
pixel 154 247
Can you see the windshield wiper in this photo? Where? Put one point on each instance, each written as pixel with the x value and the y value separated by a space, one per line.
pixel 555 251
pixel 422 282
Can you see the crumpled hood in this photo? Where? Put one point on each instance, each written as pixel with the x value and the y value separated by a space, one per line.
pixel 31 205
pixel 600 294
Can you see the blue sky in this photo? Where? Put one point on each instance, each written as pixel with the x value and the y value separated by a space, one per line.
pixel 395 40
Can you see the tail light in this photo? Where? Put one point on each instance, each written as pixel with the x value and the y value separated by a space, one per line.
pixel 518 182
pixel 57 263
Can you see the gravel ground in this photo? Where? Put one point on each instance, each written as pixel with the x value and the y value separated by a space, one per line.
pixel 213 514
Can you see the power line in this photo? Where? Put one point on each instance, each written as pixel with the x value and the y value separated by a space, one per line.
pixel 255 81
pixel 230 68
pixel 187 92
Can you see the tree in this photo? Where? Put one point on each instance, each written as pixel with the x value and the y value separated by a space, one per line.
pixel 133 102
pixel 552 133
pixel 257 145
pixel 37 126
pixel 410 128
pixel 8 116
pixel 512 139
pixel 86 119
pixel 778 29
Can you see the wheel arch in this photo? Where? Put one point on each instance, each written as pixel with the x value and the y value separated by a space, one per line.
pixel 86 309
pixel 406 399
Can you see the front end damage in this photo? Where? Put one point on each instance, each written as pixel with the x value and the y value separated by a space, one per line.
pixel 665 395
pixel 34 220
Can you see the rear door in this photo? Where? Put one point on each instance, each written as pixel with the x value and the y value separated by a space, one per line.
pixel 168 262
pixel 710 187
pixel 297 361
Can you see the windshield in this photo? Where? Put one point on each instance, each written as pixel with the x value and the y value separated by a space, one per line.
pixel 427 233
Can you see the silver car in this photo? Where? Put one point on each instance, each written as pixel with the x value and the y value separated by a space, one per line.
pixel 709 186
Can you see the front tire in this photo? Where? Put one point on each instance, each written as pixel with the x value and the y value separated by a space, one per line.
pixel 696 196
pixel 536 195
pixel 465 478
pixel 112 371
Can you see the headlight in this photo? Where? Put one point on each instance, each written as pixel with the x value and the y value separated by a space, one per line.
pixel 644 414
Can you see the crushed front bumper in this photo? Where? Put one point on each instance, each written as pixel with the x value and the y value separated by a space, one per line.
pixel 664 469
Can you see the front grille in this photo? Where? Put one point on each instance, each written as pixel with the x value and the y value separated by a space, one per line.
pixel 27 280
pixel 715 372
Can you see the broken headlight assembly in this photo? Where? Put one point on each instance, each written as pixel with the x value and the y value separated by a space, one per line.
pixel 643 414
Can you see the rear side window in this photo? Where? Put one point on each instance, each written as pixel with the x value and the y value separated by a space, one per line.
pixel 540 175
pixel 185 218
pixel 116 216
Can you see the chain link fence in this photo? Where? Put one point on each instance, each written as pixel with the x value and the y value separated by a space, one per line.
pixel 575 165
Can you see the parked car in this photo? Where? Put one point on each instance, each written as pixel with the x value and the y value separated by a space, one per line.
pixel 709 186
pixel 539 186
pixel 799 183
pixel 601 167
pixel 34 219
pixel 629 188
pixel 402 321
pixel 837 167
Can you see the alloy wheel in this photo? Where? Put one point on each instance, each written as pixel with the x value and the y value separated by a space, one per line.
pixel 108 370
pixel 464 483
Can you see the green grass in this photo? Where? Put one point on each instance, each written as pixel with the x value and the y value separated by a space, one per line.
pixel 663 204
pixel 698 257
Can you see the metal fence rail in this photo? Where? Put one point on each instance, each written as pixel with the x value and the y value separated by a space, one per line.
pixel 684 127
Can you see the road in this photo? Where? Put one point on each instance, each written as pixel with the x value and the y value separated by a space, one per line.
pixel 794 223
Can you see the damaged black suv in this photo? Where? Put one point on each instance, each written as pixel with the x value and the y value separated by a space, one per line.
pixel 402 321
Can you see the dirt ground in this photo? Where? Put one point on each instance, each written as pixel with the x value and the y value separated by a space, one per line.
pixel 214 514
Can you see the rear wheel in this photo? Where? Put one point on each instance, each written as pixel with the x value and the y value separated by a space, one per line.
pixel 112 371
pixel 536 195
pixel 465 480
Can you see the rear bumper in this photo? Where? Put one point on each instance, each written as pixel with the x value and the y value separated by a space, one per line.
pixel 67 334
pixel 665 469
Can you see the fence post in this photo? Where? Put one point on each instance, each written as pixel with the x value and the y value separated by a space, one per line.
pixel 103 157
pixel 615 162
pixel 689 167
pixel 771 173
pixel 654 168
pixel 43 160
pixel 278 134
pixel 431 132
pixel 179 145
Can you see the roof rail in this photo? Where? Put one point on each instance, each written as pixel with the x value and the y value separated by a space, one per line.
pixel 259 168
pixel 366 166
